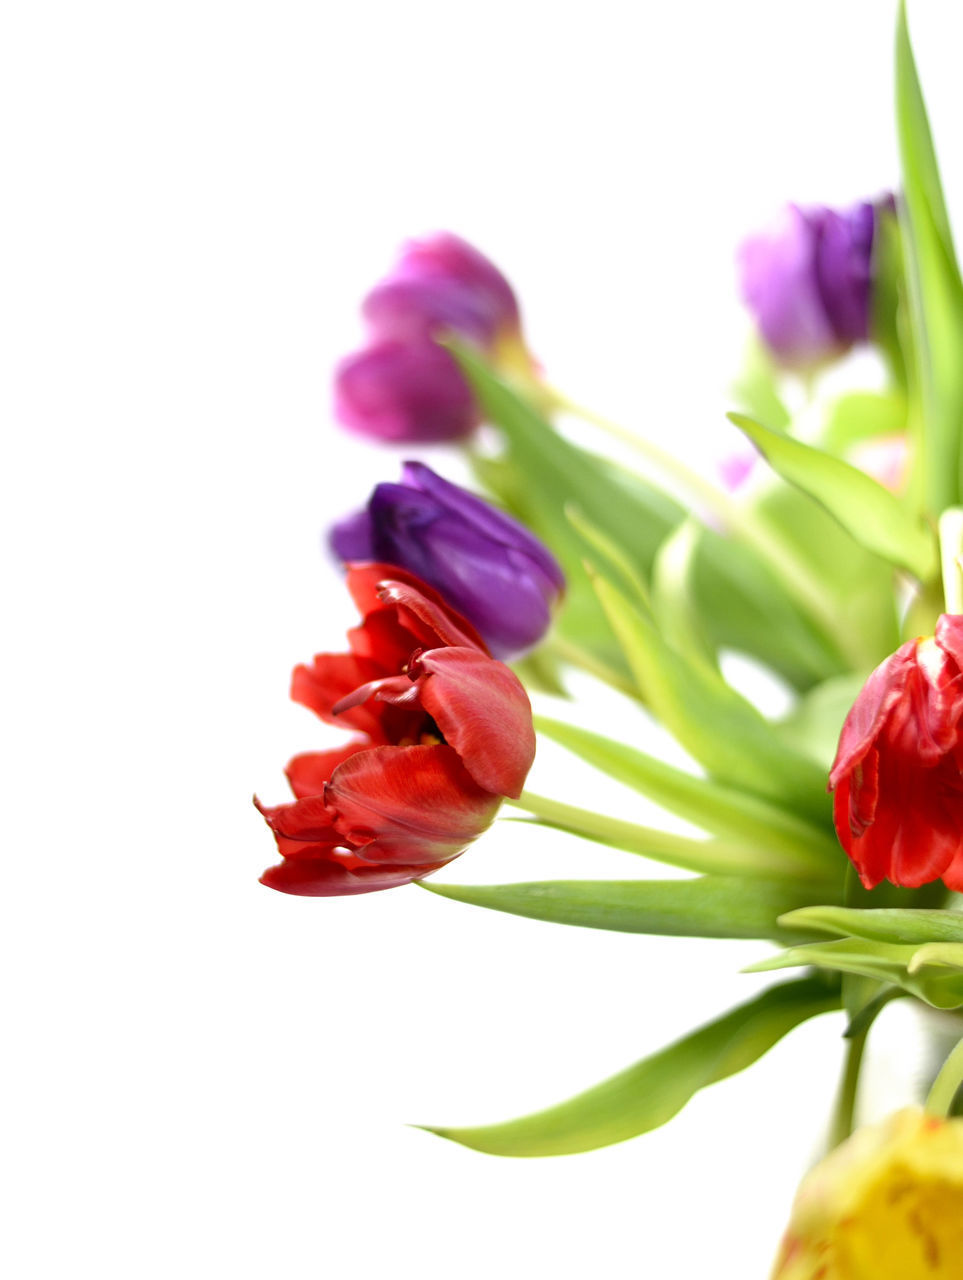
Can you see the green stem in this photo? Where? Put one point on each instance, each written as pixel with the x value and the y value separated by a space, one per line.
pixel 593 665
pixel 947 1084
pixel 766 539
pixel 842 1124
pixel 706 856
pixel 714 499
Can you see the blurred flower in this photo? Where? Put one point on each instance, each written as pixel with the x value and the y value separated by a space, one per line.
pixel 403 386
pixel 887 1204
pixel 446 733
pixel 808 280
pixel 441 283
pixel 898 773
pixel 404 391
pixel 487 565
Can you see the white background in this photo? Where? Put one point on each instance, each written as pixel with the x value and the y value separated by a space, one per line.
pixel 206 1078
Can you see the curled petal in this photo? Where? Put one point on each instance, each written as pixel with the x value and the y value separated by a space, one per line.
pixel 408 805
pixel 307 773
pixel 398 690
pixel 327 877
pixel 418 608
pixel 879 695
pixel 379 587
pixel 301 829
pixel 432 621
pixel 331 677
pixel 484 713
pixel 949 637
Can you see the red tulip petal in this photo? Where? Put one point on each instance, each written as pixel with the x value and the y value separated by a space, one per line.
pixel 398 690
pixel 939 704
pixel 307 773
pixel 418 607
pixel 953 875
pixel 331 677
pixel 949 636
pixel 408 805
pixel 322 877
pixel 302 828
pixel 881 692
pixel 431 619
pixel 916 832
pixel 383 639
pixel 484 714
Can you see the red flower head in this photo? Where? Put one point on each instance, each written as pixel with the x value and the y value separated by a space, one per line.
pixel 446 734
pixel 898 773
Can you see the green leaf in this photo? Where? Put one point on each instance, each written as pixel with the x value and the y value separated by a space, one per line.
pixel 902 965
pixel 947 955
pixel 707 907
pixel 744 605
pixel 889 303
pixel 673 598
pixel 790 841
pixel 885 924
pixel 743 602
pixel 722 857
pixel 857 585
pixel 934 287
pixel 715 724
pixel 652 1091
pixel 876 518
pixel 557 473
pixel 601 548
pixel 580 634
pixel 859 416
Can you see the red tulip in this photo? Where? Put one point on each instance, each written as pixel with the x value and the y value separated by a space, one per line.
pixel 898 773
pixel 446 733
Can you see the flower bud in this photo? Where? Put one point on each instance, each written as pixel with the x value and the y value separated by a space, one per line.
pixel 405 387
pixel 404 391
pixel 887 1204
pixel 481 561
pixel 898 772
pixel 808 281
pixel 441 283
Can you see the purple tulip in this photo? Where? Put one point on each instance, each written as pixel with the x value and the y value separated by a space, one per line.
pixel 439 284
pixel 402 386
pixel 404 391
pixel 484 563
pixel 808 281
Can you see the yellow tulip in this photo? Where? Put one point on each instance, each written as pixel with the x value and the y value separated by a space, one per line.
pixel 887 1204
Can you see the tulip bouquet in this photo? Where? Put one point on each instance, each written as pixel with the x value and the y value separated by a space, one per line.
pixel 830 555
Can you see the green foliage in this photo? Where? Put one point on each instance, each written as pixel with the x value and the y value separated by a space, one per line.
pixel 887 924
pixel 790 842
pixel 935 290
pixel 575 500
pixel 652 1091
pixel 723 857
pixel 930 966
pixel 876 518
pixel 716 725
pixel 859 416
pixel 707 907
